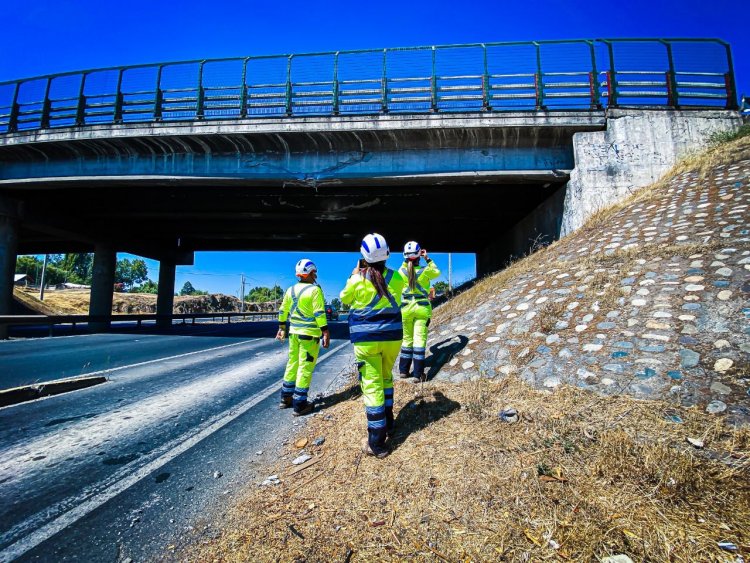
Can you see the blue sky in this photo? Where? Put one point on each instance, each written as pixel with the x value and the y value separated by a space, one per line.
pixel 46 36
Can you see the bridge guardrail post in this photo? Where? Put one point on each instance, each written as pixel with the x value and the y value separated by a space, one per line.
pixel 201 94
pixel 433 85
pixel 243 93
pixel 15 109
pixel 335 92
pixel 673 99
pixel 81 108
pixel 729 82
pixel 384 83
pixel 158 96
pixel 596 102
pixel 118 99
pixel 486 106
pixel 539 78
pixel 611 77
pixel 46 106
pixel 288 95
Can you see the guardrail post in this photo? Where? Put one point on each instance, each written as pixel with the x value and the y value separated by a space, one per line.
pixel 81 109
pixel 46 105
pixel 596 102
pixel 335 83
pixel 539 78
pixel 118 99
pixel 243 93
pixel 729 82
pixel 384 83
pixel 672 92
pixel 485 81
pixel 433 84
pixel 158 98
pixel 15 108
pixel 611 77
pixel 199 109
pixel 288 103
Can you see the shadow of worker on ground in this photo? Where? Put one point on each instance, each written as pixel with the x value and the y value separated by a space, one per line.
pixel 442 353
pixel 351 392
pixel 419 413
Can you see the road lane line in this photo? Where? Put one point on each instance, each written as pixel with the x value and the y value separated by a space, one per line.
pixel 176 448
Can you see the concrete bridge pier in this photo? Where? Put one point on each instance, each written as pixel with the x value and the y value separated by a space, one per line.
pixel 165 298
pixel 8 251
pixel 102 286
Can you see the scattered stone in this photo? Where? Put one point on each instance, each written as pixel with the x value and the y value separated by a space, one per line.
pixel 259 452
pixel 724 272
pixel 592 347
pixel 467 365
pixel 301 459
pixel 716 407
pixel 695 442
pixel 694 287
pixel 688 358
pixel 218 474
pixel 720 388
pixel 318 441
pixel 720 344
pixel 724 295
pixel 552 382
pixel 723 364
pixel 509 414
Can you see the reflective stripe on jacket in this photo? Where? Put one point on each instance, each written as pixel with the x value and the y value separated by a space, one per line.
pixel 374 318
pixel 304 307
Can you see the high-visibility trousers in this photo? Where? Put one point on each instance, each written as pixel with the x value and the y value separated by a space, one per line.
pixel 375 364
pixel 303 355
pixel 414 346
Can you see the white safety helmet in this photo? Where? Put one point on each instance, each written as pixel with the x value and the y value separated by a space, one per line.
pixel 411 249
pixel 305 267
pixel 374 248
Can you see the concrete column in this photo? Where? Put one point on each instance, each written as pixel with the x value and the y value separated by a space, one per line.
pixel 8 251
pixel 165 299
pixel 102 286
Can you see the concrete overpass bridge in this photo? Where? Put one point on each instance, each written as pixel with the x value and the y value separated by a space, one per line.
pixel 468 148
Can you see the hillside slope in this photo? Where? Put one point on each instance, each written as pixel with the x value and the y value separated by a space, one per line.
pixel 76 302
pixel 649 299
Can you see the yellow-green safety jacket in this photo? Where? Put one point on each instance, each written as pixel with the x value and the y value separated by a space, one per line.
pixel 411 300
pixel 305 307
pixel 374 318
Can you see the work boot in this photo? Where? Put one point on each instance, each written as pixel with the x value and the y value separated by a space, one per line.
pixel 285 403
pixel 403 367
pixel 418 372
pixel 366 449
pixel 307 409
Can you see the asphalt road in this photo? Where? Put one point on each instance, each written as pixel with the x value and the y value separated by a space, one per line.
pixel 130 467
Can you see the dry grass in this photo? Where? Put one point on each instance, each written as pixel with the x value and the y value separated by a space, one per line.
pixel 594 476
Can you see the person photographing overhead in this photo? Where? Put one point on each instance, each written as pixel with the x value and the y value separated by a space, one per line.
pixel 373 292
pixel 304 307
pixel 416 309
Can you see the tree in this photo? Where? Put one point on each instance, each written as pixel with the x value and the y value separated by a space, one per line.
pixel 336 303
pixel 32 266
pixel 187 289
pixel 441 287
pixel 79 267
pixel 149 286
pixel 130 273
pixel 264 294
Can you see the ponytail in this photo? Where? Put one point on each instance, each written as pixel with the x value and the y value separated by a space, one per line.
pixel 411 274
pixel 374 273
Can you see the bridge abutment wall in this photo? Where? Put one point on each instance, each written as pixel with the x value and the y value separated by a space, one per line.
pixel 637 147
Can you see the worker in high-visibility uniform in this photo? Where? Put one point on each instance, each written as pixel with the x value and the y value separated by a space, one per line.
pixel 304 307
pixel 373 292
pixel 416 309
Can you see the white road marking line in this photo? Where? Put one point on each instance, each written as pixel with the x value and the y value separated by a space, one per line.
pixel 176 448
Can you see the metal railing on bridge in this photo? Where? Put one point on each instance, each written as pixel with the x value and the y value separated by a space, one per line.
pixel 484 77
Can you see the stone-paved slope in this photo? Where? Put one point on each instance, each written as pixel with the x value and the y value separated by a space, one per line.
pixel 650 298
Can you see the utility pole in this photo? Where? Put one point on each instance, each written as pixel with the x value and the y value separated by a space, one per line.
pixel 44 271
pixel 450 271
pixel 242 293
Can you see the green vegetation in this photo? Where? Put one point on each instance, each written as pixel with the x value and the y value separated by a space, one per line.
pixel 264 294
pixel 441 287
pixel 727 136
pixel 188 289
pixel 149 286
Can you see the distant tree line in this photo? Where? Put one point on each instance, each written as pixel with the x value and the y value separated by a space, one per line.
pixel 130 275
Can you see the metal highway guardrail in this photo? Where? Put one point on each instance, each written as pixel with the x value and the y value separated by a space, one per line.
pixel 52 320
pixel 480 77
